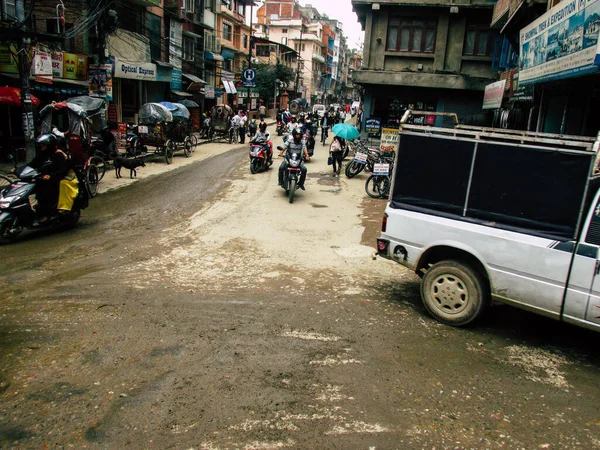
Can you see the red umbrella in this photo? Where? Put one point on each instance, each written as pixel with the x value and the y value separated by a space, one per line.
pixel 12 96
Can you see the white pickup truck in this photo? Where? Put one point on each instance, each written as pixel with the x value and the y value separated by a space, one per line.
pixel 487 215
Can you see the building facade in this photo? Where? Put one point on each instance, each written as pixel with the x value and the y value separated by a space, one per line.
pixel 435 56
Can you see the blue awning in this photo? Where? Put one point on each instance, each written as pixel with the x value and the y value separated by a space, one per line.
pixel 213 56
pixel 228 53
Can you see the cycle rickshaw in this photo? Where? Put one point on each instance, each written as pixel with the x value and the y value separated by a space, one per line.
pixel 220 116
pixel 179 132
pixel 153 122
pixel 84 116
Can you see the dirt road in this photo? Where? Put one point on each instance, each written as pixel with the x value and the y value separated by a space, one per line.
pixel 199 309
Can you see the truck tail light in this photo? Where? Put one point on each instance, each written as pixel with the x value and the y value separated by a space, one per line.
pixel 384 223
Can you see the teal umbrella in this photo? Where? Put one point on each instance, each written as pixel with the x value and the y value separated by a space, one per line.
pixel 345 131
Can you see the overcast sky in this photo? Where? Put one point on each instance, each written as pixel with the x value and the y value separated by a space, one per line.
pixel 339 10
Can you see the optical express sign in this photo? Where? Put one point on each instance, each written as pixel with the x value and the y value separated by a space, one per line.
pixel 135 71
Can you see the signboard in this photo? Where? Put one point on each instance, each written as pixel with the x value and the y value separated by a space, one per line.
pixel 100 81
pixel 135 70
pixel 492 97
pixel 373 126
pixel 176 45
pixel 121 134
pixel 249 77
pixel 209 92
pixel 381 169
pixel 9 59
pixel 390 138
pixel 252 103
pixel 561 43
pixel 57 64
pixel 41 67
pixel 75 66
pixel 177 80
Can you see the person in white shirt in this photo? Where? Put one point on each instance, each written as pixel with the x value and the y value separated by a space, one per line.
pixel 243 121
pixel 235 125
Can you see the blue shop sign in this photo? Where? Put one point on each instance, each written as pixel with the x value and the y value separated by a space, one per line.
pixel 373 126
pixel 177 80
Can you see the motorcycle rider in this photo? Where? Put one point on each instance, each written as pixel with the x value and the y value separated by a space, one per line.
pixel 262 135
pixel 291 145
pixel 53 165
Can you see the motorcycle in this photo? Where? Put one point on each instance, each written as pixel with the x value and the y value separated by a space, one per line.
pixel 280 127
pixel 291 174
pixel 310 143
pixel 17 203
pixel 134 146
pixel 261 157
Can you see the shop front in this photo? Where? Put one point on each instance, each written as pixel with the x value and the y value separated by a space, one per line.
pixel 558 54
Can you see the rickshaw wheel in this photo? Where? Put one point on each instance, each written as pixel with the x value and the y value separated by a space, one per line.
pixel 187 147
pixel 169 152
pixel 91 180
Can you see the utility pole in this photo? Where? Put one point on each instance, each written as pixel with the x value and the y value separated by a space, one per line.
pixel 24 70
pixel 299 60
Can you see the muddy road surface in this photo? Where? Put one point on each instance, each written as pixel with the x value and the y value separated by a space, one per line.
pixel 198 309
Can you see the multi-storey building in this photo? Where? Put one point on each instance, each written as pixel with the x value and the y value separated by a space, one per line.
pixel 436 56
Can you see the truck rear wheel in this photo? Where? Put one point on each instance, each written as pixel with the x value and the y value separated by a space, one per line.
pixel 454 293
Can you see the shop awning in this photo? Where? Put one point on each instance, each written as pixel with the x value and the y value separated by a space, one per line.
pixel 163 64
pixel 229 87
pixel 228 53
pixel 193 78
pixel 190 34
pixel 213 56
pixel 181 94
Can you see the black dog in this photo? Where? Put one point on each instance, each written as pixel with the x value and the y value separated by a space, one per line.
pixel 128 163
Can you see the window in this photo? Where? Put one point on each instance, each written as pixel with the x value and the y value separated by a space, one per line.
pixel 245 41
pixel 284 40
pixel 188 6
pixel 188 49
pixel 479 41
pixel 154 24
pixel 241 8
pixel 411 35
pixel 226 65
pixel 227 31
pixel 284 30
pixel 209 41
pixel 9 9
pixel 262 50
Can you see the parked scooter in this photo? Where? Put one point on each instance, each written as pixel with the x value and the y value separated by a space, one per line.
pixel 291 174
pixel 17 203
pixel 261 155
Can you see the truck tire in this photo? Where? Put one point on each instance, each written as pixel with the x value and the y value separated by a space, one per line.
pixel 453 293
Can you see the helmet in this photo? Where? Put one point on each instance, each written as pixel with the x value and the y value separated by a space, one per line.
pixel 263 127
pixel 297 135
pixel 48 140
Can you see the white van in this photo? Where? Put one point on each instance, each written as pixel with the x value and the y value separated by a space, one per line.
pixel 319 109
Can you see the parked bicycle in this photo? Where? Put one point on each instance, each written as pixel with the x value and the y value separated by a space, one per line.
pixel 379 183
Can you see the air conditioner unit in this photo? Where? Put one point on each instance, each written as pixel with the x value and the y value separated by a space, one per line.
pixel 217 45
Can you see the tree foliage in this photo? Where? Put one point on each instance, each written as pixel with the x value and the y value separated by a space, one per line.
pixel 266 74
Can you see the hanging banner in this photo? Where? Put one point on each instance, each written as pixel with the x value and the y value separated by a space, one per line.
pixel 100 81
pixel 562 43
pixel 176 44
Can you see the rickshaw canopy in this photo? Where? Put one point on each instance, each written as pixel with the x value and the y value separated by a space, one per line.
pixel 220 115
pixel 154 113
pixel 85 114
pixel 179 111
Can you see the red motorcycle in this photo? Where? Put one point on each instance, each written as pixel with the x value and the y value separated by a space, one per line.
pixel 280 127
pixel 261 155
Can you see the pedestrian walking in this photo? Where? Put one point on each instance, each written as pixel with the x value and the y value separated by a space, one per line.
pixel 243 122
pixel 336 151
pixel 262 112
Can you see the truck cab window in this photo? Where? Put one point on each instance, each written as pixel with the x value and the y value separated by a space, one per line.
pixel 593 233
